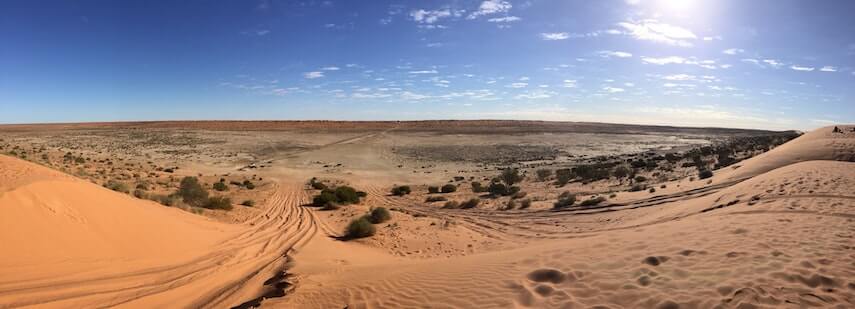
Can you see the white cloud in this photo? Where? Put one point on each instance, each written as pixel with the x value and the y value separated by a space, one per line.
pixel 569 83
pixel 491 7
pixel 665 60
pixel 679 77
pixel 313 74
pixel 533 95
pixel 619 54
pixel 434 45
pixel 330 68
pixel 774 63
pixel 518 85
pixel 613 89
pixel 828 68
pixel 798 68
pixel 554 36
pixel 429 17
pixel 733 51
pixel 424 72
pixel 524 78
pixel 410 96
pixel 506 19
pixel 652 30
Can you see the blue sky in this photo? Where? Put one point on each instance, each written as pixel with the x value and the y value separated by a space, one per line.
pixel 751 64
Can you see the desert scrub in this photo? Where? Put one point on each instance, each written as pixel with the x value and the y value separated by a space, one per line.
pixel 401 190
pixel 592 201
pixel 566 199
pixel 526 203
pixel 317 185
pixel 471 203
pixel 449 188
pixel 343 195
pixel 451 205
pixel 248 203
pixel 221 186
pixel 218 202
pixel 359 228
pixel 704 174
pixel 433 189
pixel 477 187
pixel 192 192
pixel 431 199
pixel 117 186
pixel 379 215
pixel 543 174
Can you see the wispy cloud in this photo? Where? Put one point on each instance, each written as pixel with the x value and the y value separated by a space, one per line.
pixel 828 68
pixel 313 74
pixel 653 30
pixel 518 85
pixel 330 68
pixel 733 51
pixel 570 83
pixel 490 7
pixel 424 72
pixel 506 19
pixel 429 17
pixel 664 60
pixel 554 36
pixel 800 68
pixel 619 54
pixel 613 89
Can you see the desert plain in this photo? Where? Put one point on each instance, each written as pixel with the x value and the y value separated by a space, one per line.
pixel 424 214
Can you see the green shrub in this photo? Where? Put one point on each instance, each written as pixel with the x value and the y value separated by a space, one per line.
pixel 563 176
pixel 218 202
pixel 704 174
pixel 220 186
pixel 592 201
pixel 471 203
pixel 117 186
pixel 497 188
pixel 379 215
pixel 326 196
pixel 248 203
pixel 359 228
pixel 431 199
pixel 510 176
pixel 543 174
pixel 433 189
pixel 347 195
pixel 317 185
pixel 401 190
pixel 192 192
pixel 566 199
pixel 449 188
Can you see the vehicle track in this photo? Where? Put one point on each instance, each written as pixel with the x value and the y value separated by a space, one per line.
pixel 232 273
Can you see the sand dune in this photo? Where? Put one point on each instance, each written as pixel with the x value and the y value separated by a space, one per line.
pixel 777 231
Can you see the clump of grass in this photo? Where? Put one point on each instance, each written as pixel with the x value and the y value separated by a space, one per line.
pixel 471 203
pixel 379 215
pixel 401 190
pixel 221 186
pixel 449 188
pixel 526 203
pixel 218 202
pixel 248 203
pixel 117 186
pixel 360 228
pixel 566 199
pixel 431 199
pixel 433 189
pixel 592 201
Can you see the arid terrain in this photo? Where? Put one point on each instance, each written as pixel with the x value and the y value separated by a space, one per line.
pixel 424 214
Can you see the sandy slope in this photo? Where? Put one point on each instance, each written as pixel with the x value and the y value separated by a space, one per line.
pixel 781 238
pixel 71 244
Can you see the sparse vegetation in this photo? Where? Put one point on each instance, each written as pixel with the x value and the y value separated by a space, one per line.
pixel 191 192
pixel 471 203
pixel 316 184
pixel 543 174
pixel 526 203
pixel 248 203
pixel 433 189
pixel 342 195
pixel 510 176
pixel 401 190
pixel 449 188
pixel 218 202
pixel 379 215
pixel 566 199
pixel 117 186
pixel 221 186
pixel 431 199
pixel 477 187
pixel 360 228
pixel 592 201
pixel 704 174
